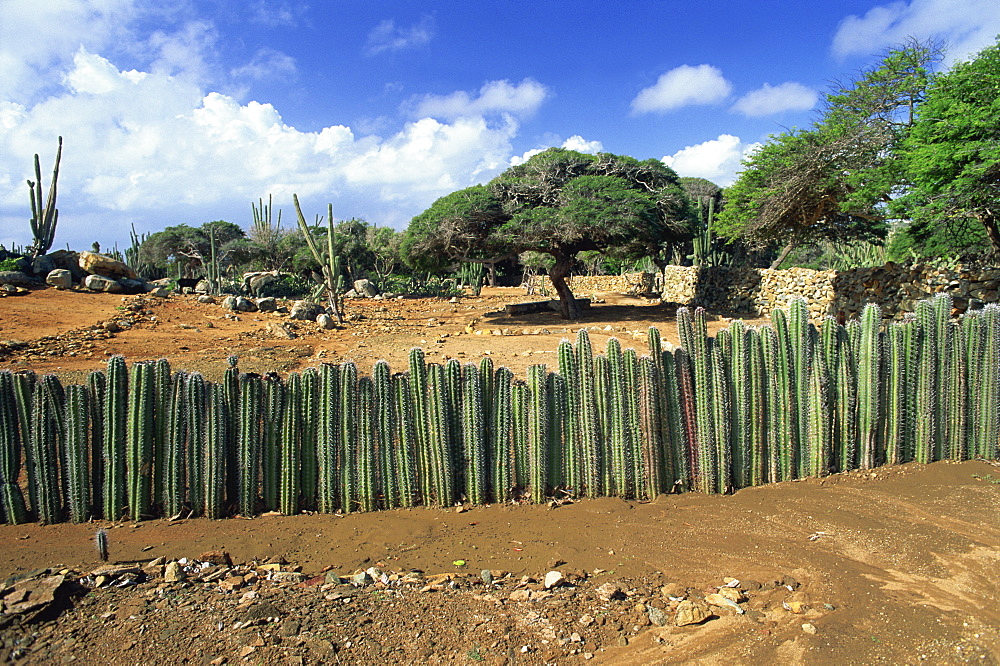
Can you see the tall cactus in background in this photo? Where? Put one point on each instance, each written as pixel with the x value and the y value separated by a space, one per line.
pixel 196 418
pixel 47 424
pixel 538 436
pixel 347 455
pixel 870 386
pixel 272 413
pixel 44 218
pixel 140 435
pixel 288 495
pixel 474 435
pixel 328 442
pixel 77 447
pixel 501 472
pixel 113 451
pixel 174 481
pixel 11 446
pixel 249 443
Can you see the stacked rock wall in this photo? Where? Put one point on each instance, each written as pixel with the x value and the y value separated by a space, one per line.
pixel 895 287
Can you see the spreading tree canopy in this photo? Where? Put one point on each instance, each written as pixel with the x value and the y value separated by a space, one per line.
pixel 834 180
pixel 952 154
pixel 559 202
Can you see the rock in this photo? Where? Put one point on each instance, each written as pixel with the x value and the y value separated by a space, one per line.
pixel 202 287
pixel 101 283
pixel 732 593
pixel 42 265
pixel 159 292
pixel 289 628
pixel 723 602
pixel 305 311
pixel 99 264
pixel 809 628
pixel 361 579
pixel 657 616
pixel 585 620
pixel 365 288
pixel 267 304
pixel 332 578
pixel 33 594
pixel 325 322
pixel 520 595
pixel 552 579
pixel 257 281
pixel 280 330
pixel 217 557
pixel 60 278
pixel 262 612
pixel 69 260
pixel 795 607
pixel 609 591
pixel 691 611
pixel 132 286
pixel 17 279
pixel 205 298
pixel 242 304
pixel 675 590
pixel 486 576
pixel 289 577
pixel 229 302
pixel 173 573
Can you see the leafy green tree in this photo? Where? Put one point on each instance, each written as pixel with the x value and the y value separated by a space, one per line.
pixel 186 245
pixel 833 182
pixel 951 157
pixel 560 203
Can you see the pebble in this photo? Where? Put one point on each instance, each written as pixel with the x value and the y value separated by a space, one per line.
pixel 552 579
pixel 173 573
pixel 809 628
pixel 691 611
pixel 657 616
pixel 609 591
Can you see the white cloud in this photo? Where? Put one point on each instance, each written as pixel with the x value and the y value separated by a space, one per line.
pixel 387 37
pixel 522 100
pixel 156 149
pixel 966 25
pixel 275 14
pixel 575 142
pixel 267 64
pixel 717 160
pixel 769 100
pixel 683 86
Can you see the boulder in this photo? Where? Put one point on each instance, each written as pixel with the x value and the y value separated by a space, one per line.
pixel 42 265
pixel 244 305
pixel 17 279
pixel 70 261
pixel 60 278
pixel 159 292
pixel 325 322
pixel 133 286
pixel 305 311
pixel 366 288
pixel 205 298
pixel 101 283
pixel 202 287
pixel 267 304
pixel 99 264
pixel 256 281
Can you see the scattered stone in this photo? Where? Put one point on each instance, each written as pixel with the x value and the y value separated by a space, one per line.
pixel 267 304
pixel 657 616
pixel 365 288
pixel 280 330
pixel 552 579
pixel 60 278
pixel 691 611
pixel 173 573
pixel 486 576
pixel 101 283
pixel 159 292
pixel 216 557
pixel 809 628
pixel 585 620
pixel 332 578
pixel 795 607
pixel 305 311
pixel 523 594
pixel 288 577
pixel 721 601
pixel 361 579
pixel 609 591
pixel 675 590
pixel 732 593
pixel 325 322
pixel 205 298
pixel 17 279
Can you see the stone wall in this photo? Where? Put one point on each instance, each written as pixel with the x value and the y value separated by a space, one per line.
pixel 583 285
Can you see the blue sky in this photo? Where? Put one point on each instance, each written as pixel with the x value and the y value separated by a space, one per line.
pixel 187 113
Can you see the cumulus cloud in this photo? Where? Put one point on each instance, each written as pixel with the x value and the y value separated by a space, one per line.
pixel 717 160
pixel 575 142
pixel 967 26
pixel 769 100
pixel 277 14
pixel 267 64
pixel 683 86
pixel 522 100
pixel 388 37
pixel 156 149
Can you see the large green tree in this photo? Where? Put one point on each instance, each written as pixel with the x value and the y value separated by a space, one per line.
pixel 186 245
pixel 834 180
pixel 560 202
pixel 951 157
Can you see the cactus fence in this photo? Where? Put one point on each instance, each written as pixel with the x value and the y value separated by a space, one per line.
pixel 747 407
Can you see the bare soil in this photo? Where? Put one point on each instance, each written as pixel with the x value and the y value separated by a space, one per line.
pixel 896 565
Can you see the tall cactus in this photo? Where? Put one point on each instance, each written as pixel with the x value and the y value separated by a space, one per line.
pixel 870 386
pixel 501 473
pixel 47 424
pixel 249 443
pixel 217 423
pixel 97 387
pixel 288 495
pixel 162 387
pixel 196 414
pixel 590 426
pixel 440 437
pixel 987 424
pixel 474 435
pixel 273 413
pixel 113 451
pixel 538 436
pixel 421 417
pixel 927 426
pixel 11 446
pixel 44 218
pixel 231 384
pixel 404 441
pixel 328 443
pixel 387 477
pixel 311 416
pixel 347 456
pixel 572 455
pixel 650 433
pixel 175 455
pixel 140 435
pixel 365 456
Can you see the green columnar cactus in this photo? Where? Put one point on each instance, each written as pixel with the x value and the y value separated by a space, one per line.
pixel 231 383
pixel 519 435
pixel 174 481
pixel 453 417
pixel 311 415
pixel 97 385
pixel 196 417
pixel 214 453
pixel 11 446
pixel 926 432
pixel 290 442
pixel 870 386
pixel 44 218
pixel 502 474
pixel 633 426
pixel 474 436
pixel 800 339
pixel 788 393
pixel 387 476
pixel 347 463
pixel 249 443
pixel 722 410
pixel 538 436
pixel 972 330
pixel 688 449
pixel 777 422
pixel 440 440
pixel 603 402
pixel 675 459
pixel 942 305
pixel 405 441
pixel 618 420
pixel 161 418
pixel 365 457
pixel 487 379
pixel 77 448
pixel 742 419
pixel 557 447
pixel 140 435
pixel 956 445
pixel 820 419
pixel 572 464
pixel 896 389
pixel 650 432
pixel 421 420
pixel 46 433
pixel 707 473
pixel 667 421
pixel 756 437
pixel 591 473
pixel 988 421
pixel 328 443
pixel 113 451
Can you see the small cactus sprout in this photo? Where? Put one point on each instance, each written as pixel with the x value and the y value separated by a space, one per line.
pixel 101 542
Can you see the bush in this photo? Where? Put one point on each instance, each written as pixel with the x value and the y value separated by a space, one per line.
pixel 288 286
pixel 11 264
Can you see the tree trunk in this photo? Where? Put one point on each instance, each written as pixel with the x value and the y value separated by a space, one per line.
pixel 492 273
pixel 784 253
pixel 990 223
pixel 557 274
